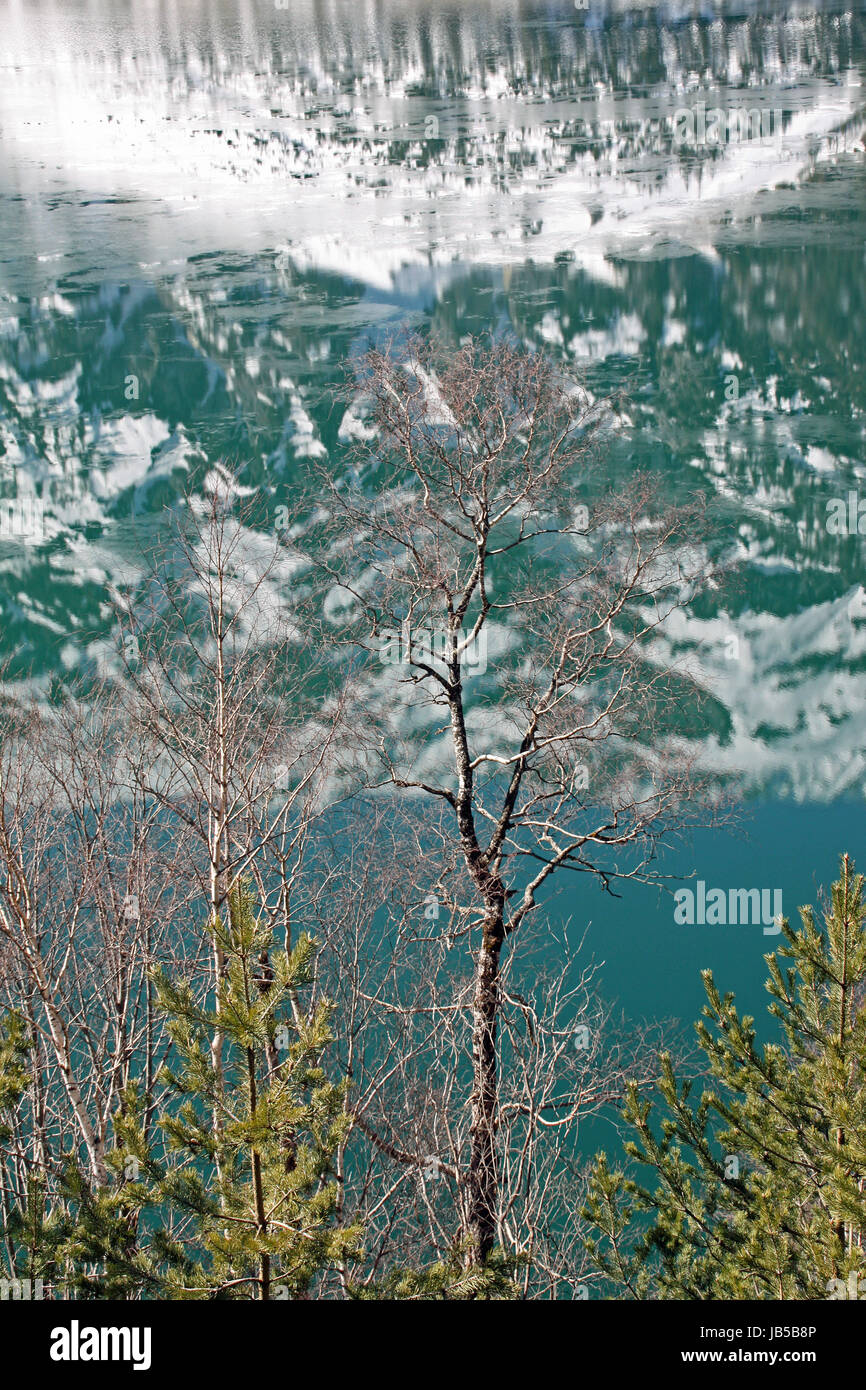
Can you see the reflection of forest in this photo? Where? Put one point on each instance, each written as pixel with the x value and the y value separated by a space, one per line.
pixel 358 85
pixel 449 48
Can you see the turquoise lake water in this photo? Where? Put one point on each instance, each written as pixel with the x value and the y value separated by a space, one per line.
pixel 206 209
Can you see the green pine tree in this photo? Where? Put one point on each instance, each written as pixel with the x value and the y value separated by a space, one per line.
pixel 22 1211
pixel 245 1207
pixel 761 1183
pixel 14 1073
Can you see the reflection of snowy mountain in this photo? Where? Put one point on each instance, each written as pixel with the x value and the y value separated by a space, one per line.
pixel 210 205
pixel 793 689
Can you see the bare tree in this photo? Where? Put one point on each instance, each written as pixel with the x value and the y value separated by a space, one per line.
pixel 395 961
pixel 78 930
pixel 216 672
pixel 472 529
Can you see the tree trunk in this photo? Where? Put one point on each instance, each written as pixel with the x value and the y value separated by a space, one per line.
pixel 482 1178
